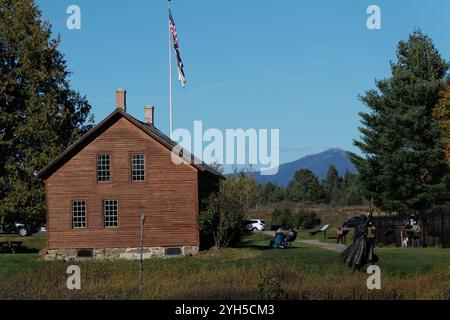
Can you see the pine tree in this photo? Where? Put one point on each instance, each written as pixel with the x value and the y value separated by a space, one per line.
pixel 404 162
pixel 271 193
pixel 304 187
pixel 352 189
pixel 332 185
pixel 40 115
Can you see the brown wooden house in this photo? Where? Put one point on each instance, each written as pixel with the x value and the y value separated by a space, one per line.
pixel 97 190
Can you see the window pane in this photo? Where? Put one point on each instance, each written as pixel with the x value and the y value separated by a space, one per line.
pixel 111 212
pixel 138 167
pixel 79 214
pixel 103 168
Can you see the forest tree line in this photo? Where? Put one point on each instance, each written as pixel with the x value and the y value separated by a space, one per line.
pixel 307 188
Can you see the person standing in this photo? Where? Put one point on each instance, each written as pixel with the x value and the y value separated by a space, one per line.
pixel 340 235
pixel 416 234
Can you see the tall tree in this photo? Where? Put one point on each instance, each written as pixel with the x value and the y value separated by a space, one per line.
pixel 40 115
pixel 304 187
pixel 352 189
pixel 332 185
pixel 271 193
pixel 442 113
pixel 404 162
pixel 222 218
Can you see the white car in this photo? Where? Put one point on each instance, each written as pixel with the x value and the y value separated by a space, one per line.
pixel 255 225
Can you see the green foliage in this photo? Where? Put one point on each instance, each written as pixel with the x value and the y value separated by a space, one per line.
pixel 353 189
pixel 271 193
pixel 39 114
pixel 332 187
pixel 404 161
pixel 226 210
pixel 307 220
pixel 284 218
pixel 442 114
pixel 304 187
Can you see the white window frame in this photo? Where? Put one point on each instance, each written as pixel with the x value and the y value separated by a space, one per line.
pixel 138 167
pixel 111 213
pixel 103 167
pixel 79 214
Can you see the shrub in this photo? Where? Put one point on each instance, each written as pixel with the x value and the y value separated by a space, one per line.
pixel 307 220
pixel 269 288
pixel 283 218
pixel 225 211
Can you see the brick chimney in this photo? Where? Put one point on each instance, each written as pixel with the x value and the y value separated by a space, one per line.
pixel 149 115
pixel 121 99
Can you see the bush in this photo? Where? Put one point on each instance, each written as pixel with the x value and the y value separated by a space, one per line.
pixel 283 218
pixel 307 220
pixel 221 221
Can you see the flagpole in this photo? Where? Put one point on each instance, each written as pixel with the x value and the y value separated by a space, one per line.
pixel 170 80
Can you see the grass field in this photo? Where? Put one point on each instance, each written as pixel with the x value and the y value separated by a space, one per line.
pixel 248 272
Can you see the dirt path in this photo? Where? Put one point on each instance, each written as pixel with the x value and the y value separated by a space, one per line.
pixel 327 246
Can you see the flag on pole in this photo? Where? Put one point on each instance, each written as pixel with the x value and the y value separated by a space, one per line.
pixel 173 29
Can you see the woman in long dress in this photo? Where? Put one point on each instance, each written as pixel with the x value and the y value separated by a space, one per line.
pixel 360 252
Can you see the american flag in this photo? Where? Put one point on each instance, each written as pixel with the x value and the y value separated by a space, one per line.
pixel 173 29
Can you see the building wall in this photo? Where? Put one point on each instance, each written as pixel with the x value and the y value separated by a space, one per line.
pixel 169 196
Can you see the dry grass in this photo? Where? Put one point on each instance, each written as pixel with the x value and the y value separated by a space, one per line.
pixel 119 282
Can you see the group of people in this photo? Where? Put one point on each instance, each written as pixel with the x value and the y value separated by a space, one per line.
pixel 281 241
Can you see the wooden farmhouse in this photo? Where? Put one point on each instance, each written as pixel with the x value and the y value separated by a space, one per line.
pixel 100 187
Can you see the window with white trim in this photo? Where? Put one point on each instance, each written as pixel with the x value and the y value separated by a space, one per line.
pixel 111 213
pixel 79 214
pixel 137 167
pixel 103 168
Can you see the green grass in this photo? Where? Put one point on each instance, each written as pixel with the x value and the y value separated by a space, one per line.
pixel 303 271
pixel 331 235
pixel 27 260
pixel 35 242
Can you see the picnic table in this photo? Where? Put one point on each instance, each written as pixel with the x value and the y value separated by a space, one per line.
pixel 10 246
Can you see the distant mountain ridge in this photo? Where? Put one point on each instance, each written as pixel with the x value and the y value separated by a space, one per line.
pixel 317 163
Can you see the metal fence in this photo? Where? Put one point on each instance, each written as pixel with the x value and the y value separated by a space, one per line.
pixel 434 225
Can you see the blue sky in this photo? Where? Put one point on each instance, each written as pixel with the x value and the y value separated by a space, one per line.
pixel 294 65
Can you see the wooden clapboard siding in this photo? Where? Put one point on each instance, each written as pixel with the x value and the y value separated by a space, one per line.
pixel 169 196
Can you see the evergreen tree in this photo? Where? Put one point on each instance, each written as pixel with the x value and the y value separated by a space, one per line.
pixel 332 186
pixel 352 189
pixel 404 162
pixel 271 193
pixel 304 187
pixel 39 114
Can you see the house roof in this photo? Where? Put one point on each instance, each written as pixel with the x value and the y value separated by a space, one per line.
pixel 105 124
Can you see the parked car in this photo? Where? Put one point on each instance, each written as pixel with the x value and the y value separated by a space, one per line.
pixel 254 225
pixel 21 228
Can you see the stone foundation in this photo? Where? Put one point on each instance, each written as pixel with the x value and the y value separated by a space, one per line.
pixel 116 253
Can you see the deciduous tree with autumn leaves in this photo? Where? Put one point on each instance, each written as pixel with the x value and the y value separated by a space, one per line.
pixel 442 113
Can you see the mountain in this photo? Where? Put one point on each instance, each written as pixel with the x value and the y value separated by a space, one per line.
pixel 317 163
